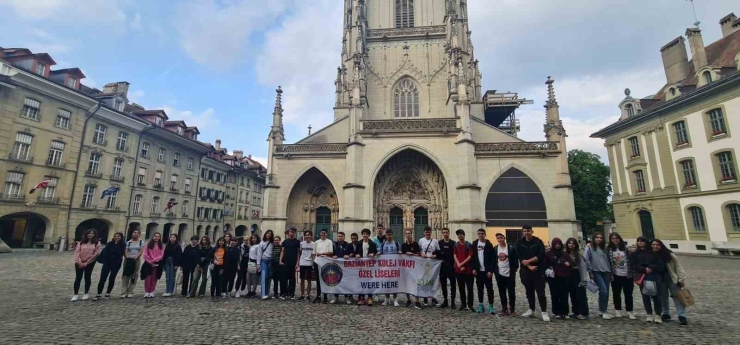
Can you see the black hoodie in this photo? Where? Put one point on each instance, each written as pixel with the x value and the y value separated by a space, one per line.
pixel 189 258
pixel 174 251
pixel 526 250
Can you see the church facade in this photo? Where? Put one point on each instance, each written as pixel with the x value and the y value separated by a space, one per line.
pixel 415 142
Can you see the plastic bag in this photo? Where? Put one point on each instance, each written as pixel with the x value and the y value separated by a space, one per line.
pixel 649 288
pixel 591 286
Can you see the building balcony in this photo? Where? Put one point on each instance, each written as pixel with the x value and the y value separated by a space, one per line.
pixel 184 215
pixel 158 186
pixel 13 197
pixel 187 191
pixel 174 190
pixel 112 208
pixel 95 174
pixel 171 215
pixel 122 149
pixel 155 214
pixel 136 212
pixel 53 164
pixel 141 184
pixel 118 178
pixel 101 142
pixel 87 206
pixel 19 158
pixel 47 200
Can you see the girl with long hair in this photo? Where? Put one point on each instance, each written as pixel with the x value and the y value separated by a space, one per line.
pixel 201 268
pixel 131 264
pixel 86 252
pixel 600 271
pixel 253 276
pixel 560 263
pixel 172 256
pixel 622 278
pixel 652 264
pixel 241 269
pixel 264 262
pixel 111 257
pixel 578 280
pixel 151 270
pixel 675 280
pixel 218 259
pixel 277 271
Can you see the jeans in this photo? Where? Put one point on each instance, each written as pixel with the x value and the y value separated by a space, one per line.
pixel 109 272
pixel 169 270
pixel 680 309
pixel 482 279
pixel 506 284
pixel 578 298
pixel 289 279
pixel 465 284
pixel 87 272
pixel 265 278
pixel 199 274
pixel 627 285
pixel 187 276
pixel 447 272
pixel 602 280
pixel 648 308
pixel 534 282
pixel 559 295
pixel 217 277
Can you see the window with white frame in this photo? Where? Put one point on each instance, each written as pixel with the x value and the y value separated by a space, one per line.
pixel 689 175
pixel 173 182
pixel 40 69
pixel 22 147
pixel 180 131
pixel 137 203
pixel 63 117
pixel 160 155
pixel 158 178
pixel 111 202
pixel 99 134
pixel 118 105
pixel 404 13
pixel 56 151
pixel 726 166
pixel 13 184
pixel 733 211
pixel 176 159
pixel 158 120
pixel 635 147
pixel 155 204
pixel 145 150
pixel 49 192
pixel 88 196
pixel 717 121
pixel 141 176
pixel 93 164
pixel 682 137
pixel 640 181
pixel 190 163
pixel 185 207
pixel 122 141
pixel 188 183
pixel 71 81
pixel 406 99
pixel 117 168
pixel 697 219
pixel 31 109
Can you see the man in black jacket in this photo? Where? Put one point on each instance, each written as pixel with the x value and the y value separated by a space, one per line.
pixel 505 270
pixel 530 252
pixel 189 260
pixel 366 249
pixel 483 263
pixel 342 250
pixel 447 269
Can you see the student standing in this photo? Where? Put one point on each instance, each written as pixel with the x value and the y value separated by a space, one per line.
pixel 622 280
pixel 429 248
pixel 410 247
pixel 172 257
pixel 463 255
pixel 241 269
pixel 201 269
pixel 277 269
pixel 217 258
pixel 505 272
pixel 289 259
pixel 447 269
pixel 232 266
pixel 151 270
pixel 324 247
pixel 111 257
pixel 389 246
pixel 578 280
pixel 306 264
pixel 600 270
pixel 652 263
pixel 253 268
pixel 342 249
pixel 264 249
pixel 131 264
pixel 531 254
pixel 675 280
pixel 483 263
pixel 560 264
pixel 365 249
pixel 86 252
pixel 188 262
pixel 380 237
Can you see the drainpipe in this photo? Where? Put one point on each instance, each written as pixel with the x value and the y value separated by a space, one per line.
pixel 133 175
pixel 88 115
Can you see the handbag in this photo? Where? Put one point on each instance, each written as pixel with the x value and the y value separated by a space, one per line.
pixel 179 277
pixel 649 287
pixel 685 297
pixel 252 267
pixel 640 279
pixel 550 273
pixel 591 286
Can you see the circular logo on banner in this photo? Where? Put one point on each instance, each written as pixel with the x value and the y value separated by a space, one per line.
pixel 331 274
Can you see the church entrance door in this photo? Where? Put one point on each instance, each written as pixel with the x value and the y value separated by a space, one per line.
pixel 396 224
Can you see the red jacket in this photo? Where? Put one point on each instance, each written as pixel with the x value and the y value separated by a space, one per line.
pixel 463 252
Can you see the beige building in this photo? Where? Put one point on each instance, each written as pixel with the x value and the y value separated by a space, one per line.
pixel 415 141
pixel 672 155
pixel 211 199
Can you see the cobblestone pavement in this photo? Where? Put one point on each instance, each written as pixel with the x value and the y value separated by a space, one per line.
pixel 35 288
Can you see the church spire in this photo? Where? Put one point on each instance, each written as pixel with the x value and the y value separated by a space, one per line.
pixel 277 132
pixel 553 126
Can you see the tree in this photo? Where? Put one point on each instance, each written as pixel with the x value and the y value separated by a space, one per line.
pixel 591 189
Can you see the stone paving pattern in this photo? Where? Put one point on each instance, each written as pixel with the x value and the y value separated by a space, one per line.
pixel 35 309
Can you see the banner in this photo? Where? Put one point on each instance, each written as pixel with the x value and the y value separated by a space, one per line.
pixel 385 274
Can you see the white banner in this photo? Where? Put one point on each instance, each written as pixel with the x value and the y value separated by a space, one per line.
pixel 389 273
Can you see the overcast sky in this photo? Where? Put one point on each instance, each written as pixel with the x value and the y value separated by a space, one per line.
pixel 216 63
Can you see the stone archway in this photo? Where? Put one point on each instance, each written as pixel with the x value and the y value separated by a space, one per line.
pixel 22 230
pixel 151 228
pixel 101 225
pixel 133 226
pixel 313 194
pixel 410 181
pixel 241 231
pixel 182 233
pixel 199 231
pixel 168 230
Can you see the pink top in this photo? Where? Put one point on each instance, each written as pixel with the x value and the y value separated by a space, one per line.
pixel 153 255
pixel 86 253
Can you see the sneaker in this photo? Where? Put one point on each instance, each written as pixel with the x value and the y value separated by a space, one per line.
pixel 462 307
pixel 107 295
pixel 417 306
pixel 617 313
pixel 238 294
pixel 505 312
pixel 130 296
pixel 480 309
pixel 545 317
pixel 443 305
pixel 512 312
pixel 265 297
pixel 657 320
pixel 333 300
pixel 85 297
pixel 300 298
pixel 435 302
pixel 97 297
pixel 572 315
pixel 453 306
pixel 349 301
pixel 317 299
pixel 325 299
pixel 581 317
pixel 361 301
pixel 606 316
pixel 74 298
pixel 683 320
pixel 395 303
pixel 385 303
pixel 528 313
pixel 631 315
pixel 122 296
pixel 664 317
pixel 649 318
pixel 566 317
pixel 166 294
pixel 283 297
pixel 491 309
pixel 370 302
pixel 408 303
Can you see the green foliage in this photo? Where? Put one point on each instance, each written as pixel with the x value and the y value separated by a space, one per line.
pixel 591 189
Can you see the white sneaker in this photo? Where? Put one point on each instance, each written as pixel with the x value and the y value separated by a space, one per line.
pixel 385 303
pixel 129 296
pixel 238 294
pixel 657 319
pixel 85 297
pixel 166 294
pixel 528 313
pixel 545 317
pixel 123 295
pixel 617 313
pixel 349 301
pixel 631 315
pixel 74 298
pixel 606 316
pixel 649 318
pixel 395 303
pixel 333 300
pixel 265 297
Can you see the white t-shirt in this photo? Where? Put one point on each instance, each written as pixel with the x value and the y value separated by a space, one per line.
pixel 481 257
pixel 619 259
pixel 428 247
pixel 324 246
pixel 306 251
pixel 365 248
pixel 503 261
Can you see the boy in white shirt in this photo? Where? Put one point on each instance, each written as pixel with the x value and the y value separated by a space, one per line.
pixel 306 264
pixel 324 247
pixel 429 249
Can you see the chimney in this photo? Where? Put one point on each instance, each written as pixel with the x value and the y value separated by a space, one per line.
pixel 238 154
pixel 218 144
pixel 698 55
pixel 675 60
pixel 117 87
pixel 726 23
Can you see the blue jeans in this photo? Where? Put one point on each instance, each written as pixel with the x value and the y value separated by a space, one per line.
pixel 169 270
pixel 680 309
pixel 265 278
pixel 602 280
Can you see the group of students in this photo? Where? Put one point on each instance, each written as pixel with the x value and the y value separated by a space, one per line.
pixel 240 268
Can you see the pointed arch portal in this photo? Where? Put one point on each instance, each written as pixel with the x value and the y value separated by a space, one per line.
pixel 313 204
pixel 515 200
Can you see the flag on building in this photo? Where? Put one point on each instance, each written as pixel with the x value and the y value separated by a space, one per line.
pixel 170 204
pixel 41 185
pixel 110 191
